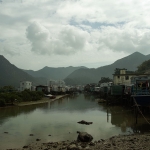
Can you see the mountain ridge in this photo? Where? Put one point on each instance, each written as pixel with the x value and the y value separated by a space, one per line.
pixel 11 75
pixel 53 73
pixel 129 62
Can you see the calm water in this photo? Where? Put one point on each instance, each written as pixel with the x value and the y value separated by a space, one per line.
pixel 59 119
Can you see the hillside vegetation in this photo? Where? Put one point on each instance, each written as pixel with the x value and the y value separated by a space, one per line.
pixel 144 67
pixel 51 73
pixel 11 75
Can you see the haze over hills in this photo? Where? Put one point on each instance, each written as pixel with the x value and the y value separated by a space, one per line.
pixel 49 73
pixel 11 75
pixel 84 76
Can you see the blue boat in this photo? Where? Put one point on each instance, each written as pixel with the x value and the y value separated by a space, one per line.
pixel 141 92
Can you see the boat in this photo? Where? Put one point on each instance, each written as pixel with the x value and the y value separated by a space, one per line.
pixel 50 96
pixel 140 92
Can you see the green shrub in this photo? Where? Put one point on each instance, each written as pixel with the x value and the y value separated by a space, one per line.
pixel 25 95
pixel 2 102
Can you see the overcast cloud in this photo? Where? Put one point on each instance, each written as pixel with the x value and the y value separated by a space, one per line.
pixel 57 33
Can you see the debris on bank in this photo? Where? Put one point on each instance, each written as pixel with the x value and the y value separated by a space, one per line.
pixel 120 142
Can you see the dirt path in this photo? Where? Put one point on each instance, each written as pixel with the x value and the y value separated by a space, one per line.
pixel 43 100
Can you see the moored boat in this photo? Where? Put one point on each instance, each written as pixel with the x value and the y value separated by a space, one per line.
pixel 141 92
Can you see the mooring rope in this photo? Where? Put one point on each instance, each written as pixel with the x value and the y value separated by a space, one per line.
pixel 140 111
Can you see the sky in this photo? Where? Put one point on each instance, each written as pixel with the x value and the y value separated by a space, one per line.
pixel 61 33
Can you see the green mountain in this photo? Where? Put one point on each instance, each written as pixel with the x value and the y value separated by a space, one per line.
pixel 11 75
pixel 53 73
pixel 144 67
pixel 84 76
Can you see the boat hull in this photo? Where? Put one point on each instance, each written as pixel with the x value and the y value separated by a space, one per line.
pixel 143 100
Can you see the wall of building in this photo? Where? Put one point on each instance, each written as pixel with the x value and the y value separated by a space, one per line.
pixel 122 71
pixel 25 85
pixel 122 79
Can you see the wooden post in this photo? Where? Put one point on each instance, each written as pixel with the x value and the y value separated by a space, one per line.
pixel 107 101
pixel 136 115
pixel 107 116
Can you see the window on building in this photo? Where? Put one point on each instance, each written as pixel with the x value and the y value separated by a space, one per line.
pixel 22 83
pixel 118 77
pixel 127 77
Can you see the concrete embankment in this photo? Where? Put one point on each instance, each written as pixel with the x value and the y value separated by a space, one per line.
pixel 43 100
pixel 120 142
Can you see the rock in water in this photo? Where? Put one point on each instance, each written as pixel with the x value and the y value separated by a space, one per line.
pixel 30 134
pixel 84 122
pixel 84 137
pixel 25 146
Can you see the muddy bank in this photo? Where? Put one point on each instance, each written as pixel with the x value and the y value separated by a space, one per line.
pixel 120 142
pixel 43 100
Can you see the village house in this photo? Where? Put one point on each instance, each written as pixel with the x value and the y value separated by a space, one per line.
pixel 43 88
pixel 124 77
pixel 25 85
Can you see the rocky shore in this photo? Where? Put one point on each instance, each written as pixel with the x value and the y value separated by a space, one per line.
pixel 120 142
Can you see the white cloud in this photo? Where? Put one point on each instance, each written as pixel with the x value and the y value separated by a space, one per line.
pixel 124 38
pixel 67 40
pixel 6 50
pixel 83 29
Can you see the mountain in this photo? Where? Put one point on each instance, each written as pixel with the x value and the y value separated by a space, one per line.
pixel 84 76
pixel 144 67
pixel 53 73
pixel 11 75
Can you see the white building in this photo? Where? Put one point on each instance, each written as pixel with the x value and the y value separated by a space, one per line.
pixel 122 76
pixel 25 85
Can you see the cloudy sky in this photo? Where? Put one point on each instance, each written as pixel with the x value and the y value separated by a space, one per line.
pixel 60 33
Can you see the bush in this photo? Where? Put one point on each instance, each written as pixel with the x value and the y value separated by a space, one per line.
pixel 36 95
pixel 25 95
pixel 2 102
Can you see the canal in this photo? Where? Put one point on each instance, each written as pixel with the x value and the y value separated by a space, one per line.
pixel 57 121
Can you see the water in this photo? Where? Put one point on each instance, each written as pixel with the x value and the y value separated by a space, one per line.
pixel 59 119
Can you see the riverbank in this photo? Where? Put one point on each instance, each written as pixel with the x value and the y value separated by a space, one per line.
pixel 120 142
pixel 43 100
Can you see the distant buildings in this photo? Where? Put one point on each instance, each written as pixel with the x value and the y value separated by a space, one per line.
pixel 57 86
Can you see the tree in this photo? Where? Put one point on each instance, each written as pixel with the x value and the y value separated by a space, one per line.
pixel 144 67
pixel 2 102
pixel 105 79
pixel 7 89
pixel 25 95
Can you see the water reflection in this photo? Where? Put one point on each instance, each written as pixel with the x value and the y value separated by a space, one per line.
pixel 125 119
pixel 59 119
